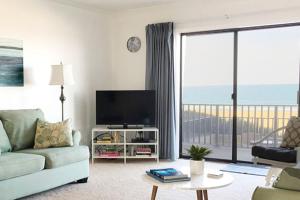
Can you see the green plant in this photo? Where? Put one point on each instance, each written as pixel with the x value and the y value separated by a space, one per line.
pixel 198 153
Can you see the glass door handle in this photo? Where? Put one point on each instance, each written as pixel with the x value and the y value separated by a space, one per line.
pixel 233 96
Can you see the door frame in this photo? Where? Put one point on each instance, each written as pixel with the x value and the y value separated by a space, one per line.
pixel 234 96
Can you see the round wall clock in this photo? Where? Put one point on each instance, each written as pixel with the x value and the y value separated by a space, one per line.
pixel 133 44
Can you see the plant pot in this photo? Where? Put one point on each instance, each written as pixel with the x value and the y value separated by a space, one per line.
pixel 197 167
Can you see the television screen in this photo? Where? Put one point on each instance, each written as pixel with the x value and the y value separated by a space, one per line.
pixel 133 107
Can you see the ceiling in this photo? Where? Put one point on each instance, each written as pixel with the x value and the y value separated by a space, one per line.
pixel 115 4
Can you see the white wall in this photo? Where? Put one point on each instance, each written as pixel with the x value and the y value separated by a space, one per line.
pixel 195 15
pixel 51 33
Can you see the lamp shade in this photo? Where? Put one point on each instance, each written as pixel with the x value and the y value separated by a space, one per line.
pixel 61 75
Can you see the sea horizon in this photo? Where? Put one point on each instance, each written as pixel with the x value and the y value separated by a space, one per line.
pixel 271 94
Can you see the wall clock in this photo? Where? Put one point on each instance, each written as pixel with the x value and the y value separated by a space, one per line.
pixel 133 44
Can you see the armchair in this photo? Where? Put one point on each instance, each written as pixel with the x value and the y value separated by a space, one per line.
pixel 276 156
pixel 286 186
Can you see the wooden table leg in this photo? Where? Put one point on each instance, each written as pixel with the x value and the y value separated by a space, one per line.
pixel 154 191
pixel 199 194
pixel 205 195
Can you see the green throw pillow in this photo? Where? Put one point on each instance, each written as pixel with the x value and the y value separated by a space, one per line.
pixel 53 134
pixel 289 179
pixel 20 126
pixel 4 141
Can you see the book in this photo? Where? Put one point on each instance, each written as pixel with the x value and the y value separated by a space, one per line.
pixel 110 154
pixel 143 153
pixel 168 173
pixel 167 180
pixel 104 141
pixel 215 174
pixel 143 149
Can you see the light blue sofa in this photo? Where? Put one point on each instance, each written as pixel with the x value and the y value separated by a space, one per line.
pixel 25 171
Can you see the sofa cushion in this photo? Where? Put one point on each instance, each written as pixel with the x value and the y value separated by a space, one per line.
pixel 4 141
pixel 53 134
pixel 288 179
pixel 56 157
pixel 20 126
pixel 18 164
pixel 275 153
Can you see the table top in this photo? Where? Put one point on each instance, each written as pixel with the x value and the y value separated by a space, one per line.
pixel 197 182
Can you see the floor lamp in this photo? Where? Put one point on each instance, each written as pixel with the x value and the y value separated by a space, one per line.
pixel 62 75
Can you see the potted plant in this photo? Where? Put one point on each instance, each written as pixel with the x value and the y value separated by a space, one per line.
pixel 197 154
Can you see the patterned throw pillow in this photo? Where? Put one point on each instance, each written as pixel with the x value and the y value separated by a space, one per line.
pixel 291 137
pixel 53 134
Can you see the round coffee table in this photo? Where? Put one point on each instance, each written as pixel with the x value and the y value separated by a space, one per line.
pixel 198 183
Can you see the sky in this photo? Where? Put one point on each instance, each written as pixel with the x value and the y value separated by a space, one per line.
pixel 268 56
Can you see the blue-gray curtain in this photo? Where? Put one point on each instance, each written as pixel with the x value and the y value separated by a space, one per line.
pixel 160 77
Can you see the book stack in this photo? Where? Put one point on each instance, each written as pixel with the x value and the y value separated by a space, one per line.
pixel 104 139
pixel 143 151
pixel 110 154
pixel 110 151
pixel 168 175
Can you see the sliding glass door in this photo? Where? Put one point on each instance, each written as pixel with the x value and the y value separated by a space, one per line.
pixel 237 85
pixel 207 75
pixel 268 81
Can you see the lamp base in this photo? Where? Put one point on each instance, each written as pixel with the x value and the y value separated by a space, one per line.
pixel 62 98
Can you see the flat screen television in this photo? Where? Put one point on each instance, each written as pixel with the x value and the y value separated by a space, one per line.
pixel 130 107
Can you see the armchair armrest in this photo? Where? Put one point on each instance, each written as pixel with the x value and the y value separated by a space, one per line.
pixel 298 156
pixel 267 136
pixel 274 194
pixel 76 137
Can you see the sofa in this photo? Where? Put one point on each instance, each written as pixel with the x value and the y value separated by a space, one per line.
pixel 24 170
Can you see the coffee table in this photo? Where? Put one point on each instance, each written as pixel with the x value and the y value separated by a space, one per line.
pixel 198 183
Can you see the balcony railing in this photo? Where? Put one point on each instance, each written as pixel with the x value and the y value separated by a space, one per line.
pixel 210 124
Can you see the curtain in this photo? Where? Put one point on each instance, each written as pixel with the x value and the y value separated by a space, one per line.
pixel 160 77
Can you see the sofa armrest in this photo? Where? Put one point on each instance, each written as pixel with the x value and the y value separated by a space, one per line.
pixel 264 193
pixel 76 137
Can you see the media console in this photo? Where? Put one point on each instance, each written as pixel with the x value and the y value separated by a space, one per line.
pixel 121 143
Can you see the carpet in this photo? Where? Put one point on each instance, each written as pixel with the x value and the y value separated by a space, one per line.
pixel 112 180
pixel 241 168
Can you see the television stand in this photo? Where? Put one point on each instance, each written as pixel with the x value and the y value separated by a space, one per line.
pixel 125 126
pixel 123 143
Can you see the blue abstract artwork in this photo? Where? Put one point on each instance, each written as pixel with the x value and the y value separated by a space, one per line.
pixel 11 62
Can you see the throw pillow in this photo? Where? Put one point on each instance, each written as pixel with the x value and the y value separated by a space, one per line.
pixel 291 137
pixel 20 126
pixel 53 134
pixel 289 179
pixel 4 141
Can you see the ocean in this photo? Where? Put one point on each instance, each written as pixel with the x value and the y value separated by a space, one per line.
pixel 284 94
